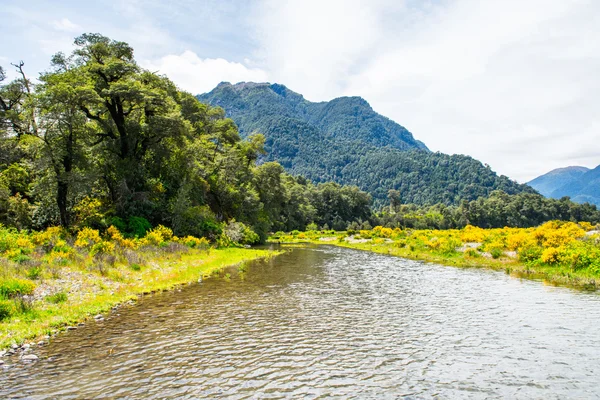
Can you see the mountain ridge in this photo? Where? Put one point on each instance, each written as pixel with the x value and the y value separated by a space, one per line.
pixel 346 141
pixel 581 184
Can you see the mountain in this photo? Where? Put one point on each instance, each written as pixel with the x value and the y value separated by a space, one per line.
pixel 581 184
pixel 346 141
pixel 555 179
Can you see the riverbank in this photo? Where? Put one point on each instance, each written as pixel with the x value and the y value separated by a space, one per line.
pixel 557 253
pixel 90 295
pixel 50 282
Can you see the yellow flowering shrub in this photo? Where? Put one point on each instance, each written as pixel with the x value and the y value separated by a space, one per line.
pixel 87 237
pixel 551 255
pixel 472 234
pixel 24 244
pixel 158 235
pixel 194 242
pixel 103 246
pixel 45 237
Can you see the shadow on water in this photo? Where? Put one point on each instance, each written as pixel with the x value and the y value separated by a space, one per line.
pixel 327 321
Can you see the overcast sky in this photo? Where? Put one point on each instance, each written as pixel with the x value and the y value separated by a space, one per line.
pixel 515 84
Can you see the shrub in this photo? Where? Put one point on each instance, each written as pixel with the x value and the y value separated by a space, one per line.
pixel 61 246
pixel 158 235
pixel 472 253
pixel 57 298
pixel 14 287
pixel 496 253
pixel 87 237
pixel 198 221
pixel 135 267
pixel 7 309
pixel 49 236
pixel 19 258
pixel 528 254
pixel 34 272
pixel 195 243
pixel 550 255
pixel 102 247
pixel 312 227
pixel 138 226
pixel 88 212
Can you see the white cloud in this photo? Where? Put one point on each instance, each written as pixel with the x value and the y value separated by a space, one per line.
pixel 65 25
pixel 198 75
pixel 511 83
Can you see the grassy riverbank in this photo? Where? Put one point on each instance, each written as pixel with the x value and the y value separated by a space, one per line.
pixel 559 253
pixel 50 281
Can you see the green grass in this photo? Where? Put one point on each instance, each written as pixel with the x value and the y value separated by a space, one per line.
pixel 164 273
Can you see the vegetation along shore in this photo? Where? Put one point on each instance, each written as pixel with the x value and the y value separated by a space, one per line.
pixel 560 253
pixel 51 281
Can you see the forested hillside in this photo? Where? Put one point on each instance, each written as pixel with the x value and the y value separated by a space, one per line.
pixel 344 140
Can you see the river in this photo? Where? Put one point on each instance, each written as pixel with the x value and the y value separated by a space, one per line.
pixel 327 321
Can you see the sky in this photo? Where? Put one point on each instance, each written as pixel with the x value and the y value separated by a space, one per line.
pixel 514 84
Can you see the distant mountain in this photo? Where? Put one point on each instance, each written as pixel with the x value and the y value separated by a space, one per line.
pixel 345 140
pixel 581 184
pixel 555 179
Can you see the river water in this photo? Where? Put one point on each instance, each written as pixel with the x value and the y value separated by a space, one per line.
pixel 326 321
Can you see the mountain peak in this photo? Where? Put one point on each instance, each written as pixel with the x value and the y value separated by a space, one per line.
pixel 346 141
pixel 344 118
pixel 581 184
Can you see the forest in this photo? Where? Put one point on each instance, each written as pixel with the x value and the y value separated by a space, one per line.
pixel 97 141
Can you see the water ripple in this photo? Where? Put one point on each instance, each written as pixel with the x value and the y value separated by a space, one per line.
pixel 332 322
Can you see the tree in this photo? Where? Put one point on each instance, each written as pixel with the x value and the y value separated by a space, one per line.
pixel 62 128
pixel 394 198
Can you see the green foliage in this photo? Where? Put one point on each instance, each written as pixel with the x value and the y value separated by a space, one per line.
pixel 7 309
pixel 135 267
pixel 240 233
pixel 530 254
pixel 13 287
pixel 496 253
pixel 496 211
pixel 34 272
pixel 136 226
pixel 199 221
pixel 56 298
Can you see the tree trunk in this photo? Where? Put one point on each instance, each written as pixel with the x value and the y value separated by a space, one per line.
pixel 61 200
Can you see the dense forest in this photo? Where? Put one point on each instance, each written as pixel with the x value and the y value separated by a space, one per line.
pixel 346 141
pixel 99 141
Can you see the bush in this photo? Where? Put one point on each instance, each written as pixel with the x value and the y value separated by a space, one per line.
pixel 57 298
pixel 198 221
pixel 15 287
pixel 34 272
pixel 159 236
pixel 7 309
pixel 102 247
pixel 137 226
pixel 87 237
pixel 529 254
pixel 312 227
pixel 135 267
pixel 496 253
pixel 239 232
pixel 195 243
